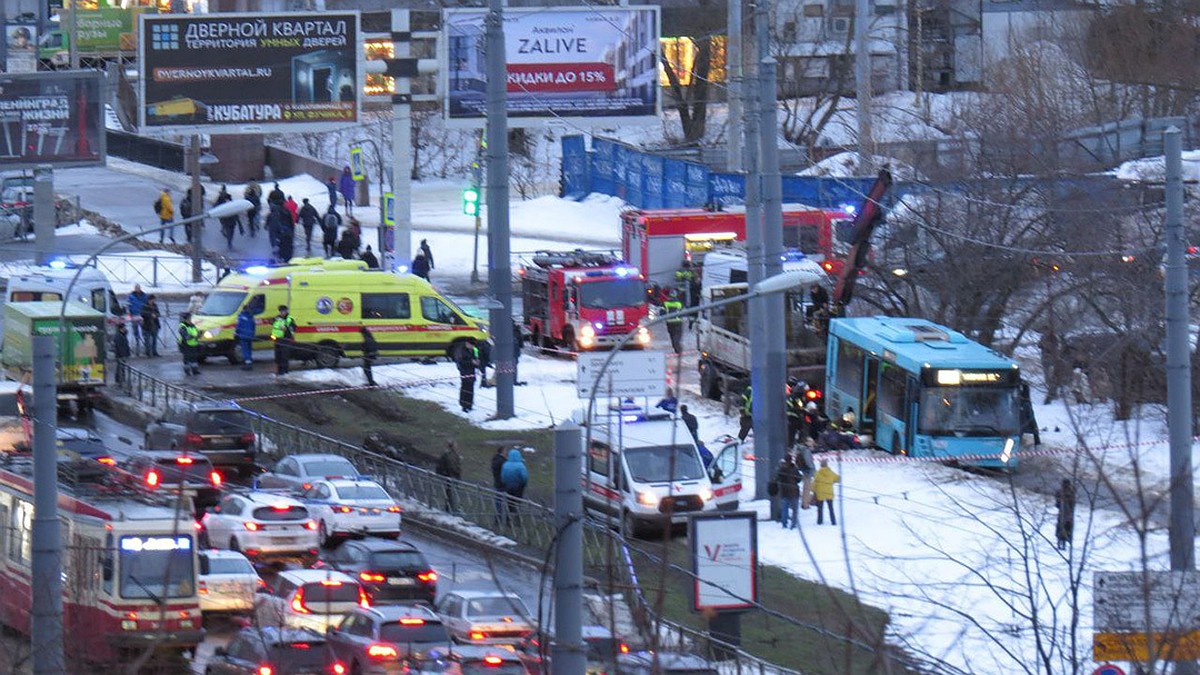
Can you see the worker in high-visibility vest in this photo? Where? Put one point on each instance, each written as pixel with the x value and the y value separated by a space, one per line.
pixel 189 344
pixel 675 325
pixel 283 331
pixel 747 409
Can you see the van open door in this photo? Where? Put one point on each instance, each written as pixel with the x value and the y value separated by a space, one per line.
pixel 725 472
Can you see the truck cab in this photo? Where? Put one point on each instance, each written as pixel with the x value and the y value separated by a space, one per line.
pixel 643 471
pixel 581 301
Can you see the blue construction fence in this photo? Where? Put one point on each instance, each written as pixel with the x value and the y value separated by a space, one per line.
pixel 649 181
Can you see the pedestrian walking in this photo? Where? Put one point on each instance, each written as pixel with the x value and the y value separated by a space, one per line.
pixel 485 362
pixel 189 344
pixel 293 209
pixel 309 216
pixel 746 416
pixel 420 265
pixel 134 304
pixel 276 197
pixel 515 477
pixel 690 421
pixel 332 186
pixel 1064 499
pixel 229 224
pixel 244 332
pixel 151 322
pixel 349 243
pixel 674 325
pixel 1081 386
pixel 185 212
pixel 165 210
pixel 253 194
pixel 787 476
pixel 121 351
pixel 369 258
pixel 287 237
pixel 449 465
pixel 804 462
pixel 283 331
pixel 370 352
pixel 518 345
pixel 346 188
pixel 428 252
pixel 468 362
pixel 498 461
pixel 329 231
pixel 823 492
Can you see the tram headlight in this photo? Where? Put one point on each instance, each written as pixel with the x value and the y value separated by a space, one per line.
pixel 128 624
pixel 1008 450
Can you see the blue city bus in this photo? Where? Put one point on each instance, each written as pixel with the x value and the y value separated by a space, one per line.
pixel 923 390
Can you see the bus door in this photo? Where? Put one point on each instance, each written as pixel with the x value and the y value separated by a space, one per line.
pixel 725 473
pixel 870 398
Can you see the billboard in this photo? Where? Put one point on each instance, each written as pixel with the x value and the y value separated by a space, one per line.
pixel 249 73
pixel 51 118
pixel 724 557
pixel 22 53
pixel 106 30
pixel 595 65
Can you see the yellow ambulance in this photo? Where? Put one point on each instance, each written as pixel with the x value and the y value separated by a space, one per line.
pixel 404 313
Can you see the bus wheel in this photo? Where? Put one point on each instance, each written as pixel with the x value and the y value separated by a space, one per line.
pixel 896 449
pixel 327 356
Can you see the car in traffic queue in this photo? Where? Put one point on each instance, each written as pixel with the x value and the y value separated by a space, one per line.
pixel 219 431
pixel 471 660
pixel 351 507
pixel 174 470
pixel 299 472
pixel 485 617
pixel 271 650
pixel 262 525
pixel 603 649
pixel 311 599
pixel 391 571
pixel 226 582
pixel 387 640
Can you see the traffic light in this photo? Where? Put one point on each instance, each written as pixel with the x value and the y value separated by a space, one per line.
pixel 471 200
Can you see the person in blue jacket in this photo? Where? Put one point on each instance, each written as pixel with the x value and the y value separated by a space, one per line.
pixel 514 476
pixel 244 332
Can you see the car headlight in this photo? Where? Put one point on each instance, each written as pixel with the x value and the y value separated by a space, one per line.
pixel 706 494
pixel 643 335
pixel 647 499
pixel 208 335
pixel 586 331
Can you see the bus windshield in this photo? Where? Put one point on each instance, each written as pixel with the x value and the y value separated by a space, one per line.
pixel 222 303
pixel 969 411
pixel 157 567
pixel 612 294
pixel 653 465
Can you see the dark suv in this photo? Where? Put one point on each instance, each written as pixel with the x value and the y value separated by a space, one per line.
pixel 391 571
pixel 168 469
pixel 279 651
pixel 221 431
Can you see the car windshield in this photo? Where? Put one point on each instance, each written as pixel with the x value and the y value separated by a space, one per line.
pixel 612 293
pixel 157 567
pixel 222 303
pixel 364 492
pixel 281 513
pixel 481 667
pixel 229 566
pixel 304 655
pixel 970 411
pixel 654 464
pixel 496 606
pixel 227 422
pixel 398 633
pixel 399 560
pixel 329 467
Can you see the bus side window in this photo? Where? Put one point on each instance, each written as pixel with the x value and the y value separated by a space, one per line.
pixel 598 455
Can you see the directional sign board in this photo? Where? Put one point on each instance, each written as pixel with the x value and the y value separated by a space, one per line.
pixel 1139 613
pixel 630 374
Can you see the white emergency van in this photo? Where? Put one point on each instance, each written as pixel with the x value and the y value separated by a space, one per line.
pixel 49 284
pixel 642 470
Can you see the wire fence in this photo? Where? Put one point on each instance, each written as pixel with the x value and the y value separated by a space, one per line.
pixel 448 502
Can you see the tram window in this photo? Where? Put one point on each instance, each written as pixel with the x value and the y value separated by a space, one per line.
pixel 849 369
pixel 891 391
pixel 106 564
pixel 21 524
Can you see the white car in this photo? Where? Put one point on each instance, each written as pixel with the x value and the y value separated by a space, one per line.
pixel 312 599
pixel 485 617
pixel 227 582
pixel 345 507
pixel 261 525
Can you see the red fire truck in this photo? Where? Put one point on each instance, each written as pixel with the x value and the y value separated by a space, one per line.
pixel 581 300
pixel 658 240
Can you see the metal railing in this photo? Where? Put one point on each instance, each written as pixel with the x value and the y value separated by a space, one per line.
pixel 431 497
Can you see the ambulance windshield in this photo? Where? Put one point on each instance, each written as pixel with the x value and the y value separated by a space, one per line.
pixel 662 464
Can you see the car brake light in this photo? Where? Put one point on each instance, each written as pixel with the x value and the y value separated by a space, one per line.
pixel 184 460
pixel 198 526
pixel 412 622
pixel 363 599
pixel 299 645
pixel 253 527
pixel 266 670
pixel 428 577
pixel 193 439
pixel 393 509
pixel 624 648
pixel 312 524
pixel 298 602
pixel 152 478
pixel 343 509
pixel 307 486
pixel 339 669
pixel 379 651
pixel 813 394
pixel 330 582
pixel 202 588
pixel 247 437
pixel 493 660
pixel 261 583
pixel 107 460
pixel 216 479
pixel 476 635
pixel 371 576
pixel 281 507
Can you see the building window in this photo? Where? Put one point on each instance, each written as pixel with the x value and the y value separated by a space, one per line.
pixel 814 11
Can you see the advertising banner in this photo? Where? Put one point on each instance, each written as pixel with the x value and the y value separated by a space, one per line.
pixel 249 73
pixel 598 64
pixel 724 553
pixel 22 54
pixel 106 30
pixel 51 118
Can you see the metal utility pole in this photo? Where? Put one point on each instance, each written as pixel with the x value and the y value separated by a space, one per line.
pixel 47 618
pixel 72 36
pixel 568 656
pixel 499 252
pixel 44 216
pixel 862 75
pixel 1182 534
pixel 197 208
pixel 733 80
pixel 402 149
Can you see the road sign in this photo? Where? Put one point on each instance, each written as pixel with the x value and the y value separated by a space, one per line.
pixel 1137 614
pixel 356 164
pixel 1108 669
pixel 389 209
pixel 629 374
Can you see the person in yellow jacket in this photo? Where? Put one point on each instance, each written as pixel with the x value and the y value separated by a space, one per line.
pixel 283 332
pixel 166 214
pixel 823 491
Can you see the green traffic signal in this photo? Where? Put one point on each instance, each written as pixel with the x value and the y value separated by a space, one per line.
pixel 471 200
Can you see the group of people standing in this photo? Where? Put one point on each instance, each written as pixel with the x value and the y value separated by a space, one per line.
pixel 798 484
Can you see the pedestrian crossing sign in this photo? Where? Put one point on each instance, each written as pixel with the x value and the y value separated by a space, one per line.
pixel 389 209
pixel 356 164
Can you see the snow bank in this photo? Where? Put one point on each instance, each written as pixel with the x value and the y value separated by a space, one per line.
pixel 1154 169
